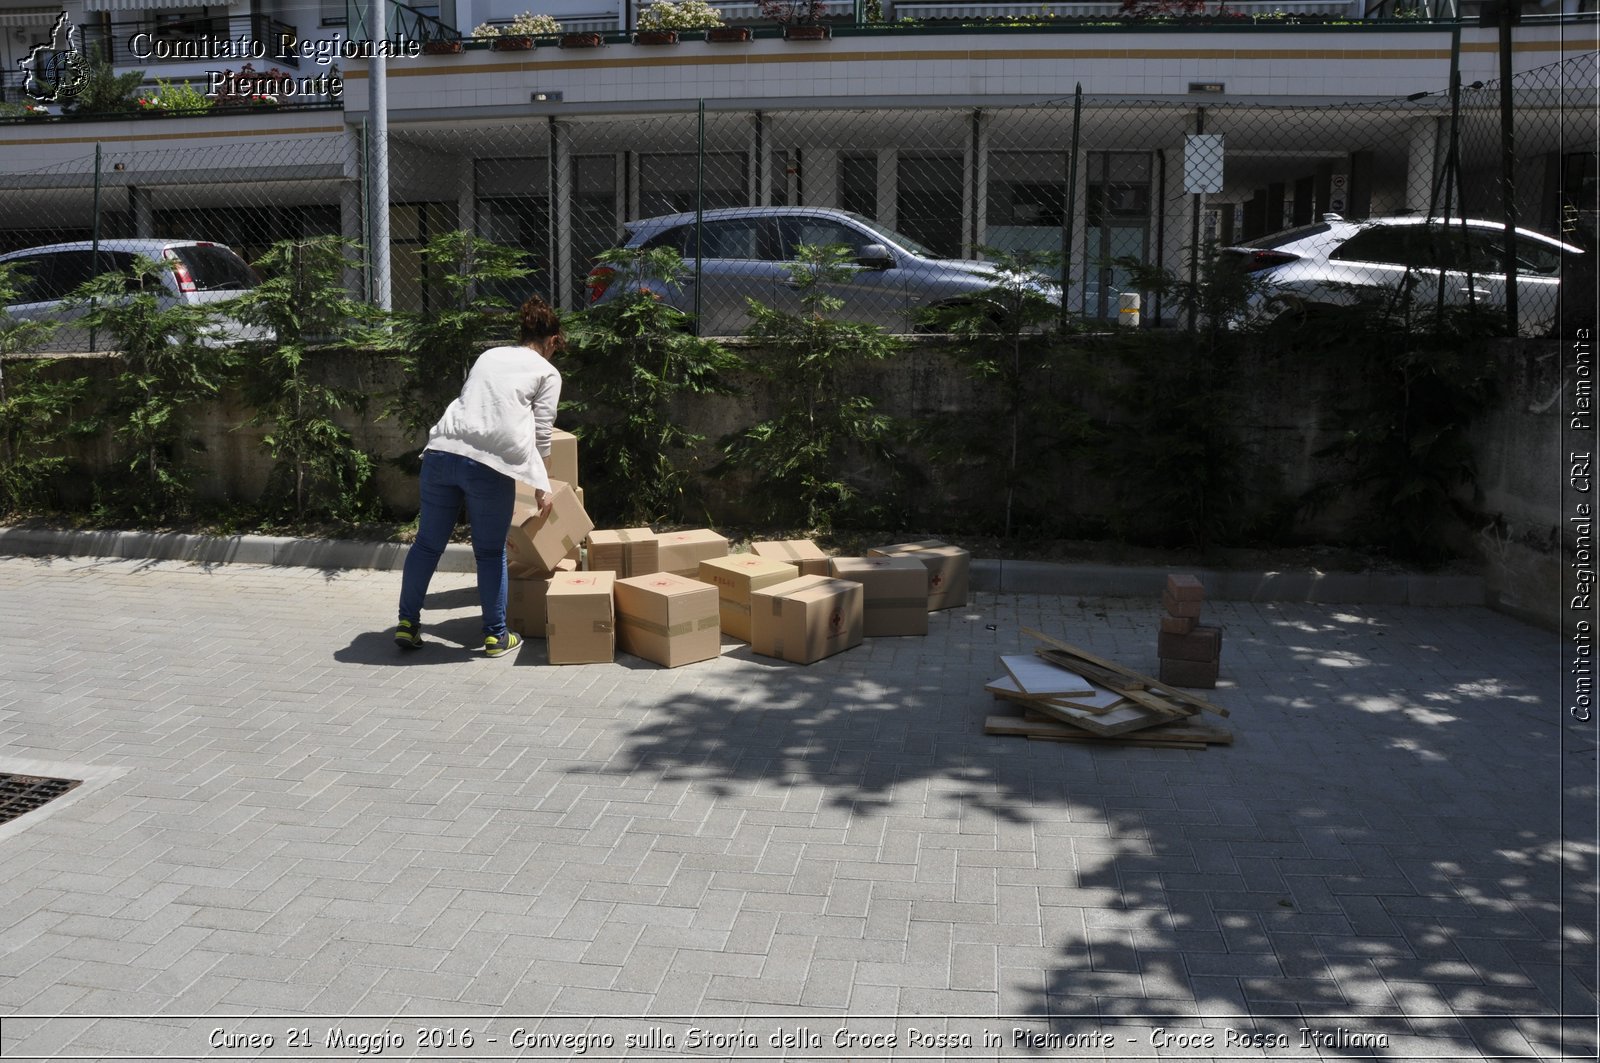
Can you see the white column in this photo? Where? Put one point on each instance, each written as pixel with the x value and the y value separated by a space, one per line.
pixel 975 197
pixel 888 187
pixel 1422 162
pixel 561 145
pixel 820 181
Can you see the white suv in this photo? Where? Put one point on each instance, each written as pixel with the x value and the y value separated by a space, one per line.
pixel 197 273
pixel 1339 263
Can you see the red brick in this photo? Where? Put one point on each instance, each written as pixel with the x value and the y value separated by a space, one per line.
pixel 1186 588
pixel 1189 673
pixel 1202 644
pixel 1174 607
pixel 1179 625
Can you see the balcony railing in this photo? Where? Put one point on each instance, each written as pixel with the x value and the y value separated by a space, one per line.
pixel 404 22
pixel 187 39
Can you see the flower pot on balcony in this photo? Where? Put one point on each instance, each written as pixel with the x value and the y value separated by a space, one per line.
pixel 655 37
pixel 440 47
pixel 728 34
pixel 582 40
pixel 810 31
pixel 516 43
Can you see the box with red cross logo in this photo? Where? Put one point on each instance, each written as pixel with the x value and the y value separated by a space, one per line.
pixel 947 569
pixel 807 619
pixel 669 619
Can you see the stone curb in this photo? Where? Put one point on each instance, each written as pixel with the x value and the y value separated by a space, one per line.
pixel 999 576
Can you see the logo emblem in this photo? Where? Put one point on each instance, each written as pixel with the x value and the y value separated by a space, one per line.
pixel 836 622
pixel 55 72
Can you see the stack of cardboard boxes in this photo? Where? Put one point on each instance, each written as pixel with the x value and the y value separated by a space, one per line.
pixel 670 597
pixel 1190 652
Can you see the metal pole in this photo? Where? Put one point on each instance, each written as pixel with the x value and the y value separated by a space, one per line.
pixel 366 209
pixel 378 106
pixel 699 203
pixel 95 250
pixel 552 221
pixel 1508 160
pixel 1194 233
pixel 1070 206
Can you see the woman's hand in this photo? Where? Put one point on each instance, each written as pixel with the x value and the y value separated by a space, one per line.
pixel 543 500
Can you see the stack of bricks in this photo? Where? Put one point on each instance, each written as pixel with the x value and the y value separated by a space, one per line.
pixel 1190 652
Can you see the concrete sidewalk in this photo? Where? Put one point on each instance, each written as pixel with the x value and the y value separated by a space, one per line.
pixel 289 831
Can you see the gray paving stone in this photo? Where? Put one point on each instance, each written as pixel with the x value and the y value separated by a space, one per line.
pixel 310 822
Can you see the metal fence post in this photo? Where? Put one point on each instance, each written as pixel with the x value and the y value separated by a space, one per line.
pixel 1508 159
pixel 699 203
pixel 1069 204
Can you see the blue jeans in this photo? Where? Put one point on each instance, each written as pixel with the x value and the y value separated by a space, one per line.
pixel 448 481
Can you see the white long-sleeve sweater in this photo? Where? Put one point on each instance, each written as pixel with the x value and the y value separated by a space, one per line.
pixel 504 414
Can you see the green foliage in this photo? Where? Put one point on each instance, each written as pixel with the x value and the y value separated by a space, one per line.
pixel 180 98
pixel 1403 435
pixel 36 409
pixel 1177 466
pixel 633 359
pixel 814 459
pixel 1023 438
pixel 167 370
pixel 435 349
pixel 302 304
pixel 104 90
pixel 679 15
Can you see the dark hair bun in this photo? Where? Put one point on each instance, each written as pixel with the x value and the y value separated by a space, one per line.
pixel 538 319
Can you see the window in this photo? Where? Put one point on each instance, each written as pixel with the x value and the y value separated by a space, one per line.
pixel 734 238
pixel 1398 245
pixel 819 232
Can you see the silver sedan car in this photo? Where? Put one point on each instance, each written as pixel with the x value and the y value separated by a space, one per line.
pixel 1426 261
pixel 745 251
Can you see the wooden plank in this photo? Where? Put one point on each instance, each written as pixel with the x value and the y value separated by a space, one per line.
pixel 1133 691
pixel 1154 684
pixel 1039 724
pixel 1005 693
pixel 1128 717
pixel 1098 701
pixel 1052 732
pixel 1131 740
pixel 1044 678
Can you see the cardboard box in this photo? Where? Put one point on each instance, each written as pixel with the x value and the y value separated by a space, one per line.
pixel 525 597
pixel 536 543
pixel 627 552
pixel 807 619
pixel 735 578
pixel 671 620
pixel 896 593
pixel 1185 588
pixel 804 554
pixel 563 461
pixel 682 551
pixel 1203 644
pixel 1189 673
pixel 947 565
pixel 580 619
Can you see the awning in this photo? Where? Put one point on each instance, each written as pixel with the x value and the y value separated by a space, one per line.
pixel 30 16
pixel 136 5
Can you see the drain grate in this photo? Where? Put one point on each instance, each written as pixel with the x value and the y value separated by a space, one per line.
pixel 20 794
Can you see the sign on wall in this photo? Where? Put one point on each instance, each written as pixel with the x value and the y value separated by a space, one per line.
pixel 1202 163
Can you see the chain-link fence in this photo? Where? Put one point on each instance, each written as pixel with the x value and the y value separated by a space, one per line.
pixel 1082 190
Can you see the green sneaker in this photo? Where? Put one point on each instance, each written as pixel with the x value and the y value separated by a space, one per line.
pixel 408 635
pixel 499 647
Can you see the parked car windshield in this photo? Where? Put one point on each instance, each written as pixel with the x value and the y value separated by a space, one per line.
pixel 216 268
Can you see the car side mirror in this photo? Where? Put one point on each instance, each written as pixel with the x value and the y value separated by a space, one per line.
pixel 874 256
